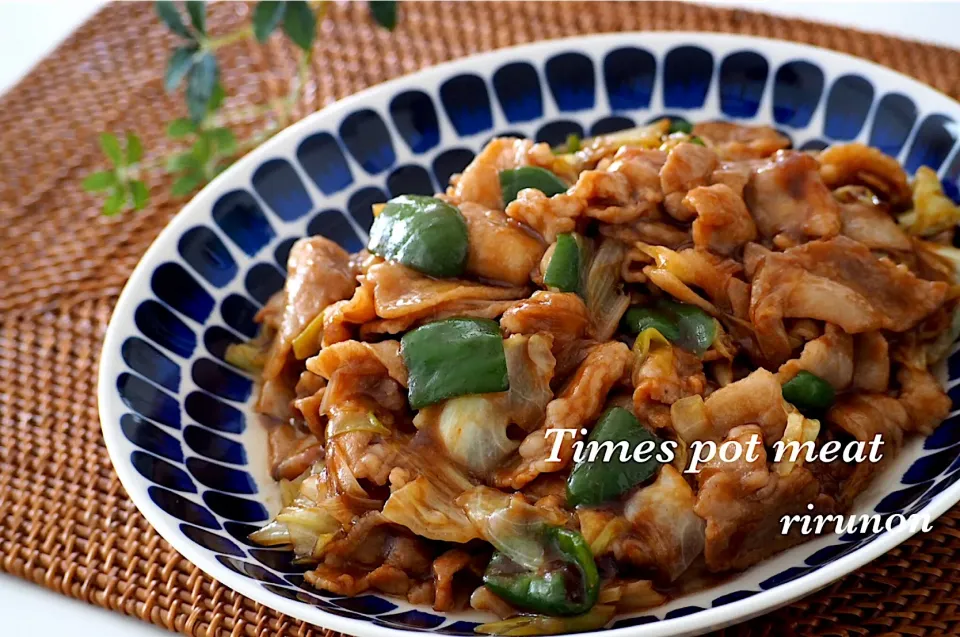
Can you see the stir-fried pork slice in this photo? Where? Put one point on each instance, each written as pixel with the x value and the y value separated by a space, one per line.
pixel 756 399
pixel 577 406
pixel 318 274
pixel 863 416
pixel 688 166
pixel 480 181
pixel 549 216
pixel 863 218
pixel 271 314
pixel 789 201
pixel 743 503
pixel 871 367
pixel 847 164
pixel 923 398
pixel 340 317
pixel 370 359
pixel 666 534
pixel 499 248
pixel 734 142
pixel 626 190
pixel 445 569
pixel 563 315
pixel 291 451
pixel 830 357
pixel 276 398
pixel 665 376
pixel 735 174
pixel 402 293
pixel 309 392
pixel 723 222
pixel 839 281
pixel 657 233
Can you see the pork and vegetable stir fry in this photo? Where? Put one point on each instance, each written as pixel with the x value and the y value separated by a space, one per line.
pixel 666 284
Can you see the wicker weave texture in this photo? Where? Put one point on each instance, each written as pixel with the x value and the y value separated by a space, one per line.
pixel 65 521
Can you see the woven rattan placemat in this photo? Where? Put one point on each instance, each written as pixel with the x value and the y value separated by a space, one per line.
pixel 65 521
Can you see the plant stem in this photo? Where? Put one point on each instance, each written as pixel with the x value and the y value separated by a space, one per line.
pixel 212 44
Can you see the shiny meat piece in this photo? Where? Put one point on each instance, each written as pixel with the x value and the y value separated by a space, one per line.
pixel 563 315
pixel 871 366
pixel 577 406
pixel 839 281
pixel 733 142
pixel 735 174
pixel 846 164
pixel 923 398
pixel 362 358
pixel 290 451
pixel 665 376
pixel 626 190
pixel 549 216
pixel 786 196
pixel 743 502
pixel 480 181
pixel 271 314
pixel 863 416
pixel 318 274
pixel 445 568
pixel 668 535
pixel 870 223
pixel 657 233
pixel 275 399
pixel 472 308
pixel 722 222
pixel 399 292
pixel 830 357
pixel 500 249
pixel 341 318
pixel 756 400
pixel 688 166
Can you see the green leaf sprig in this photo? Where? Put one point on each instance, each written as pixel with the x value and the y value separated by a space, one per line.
pixel 123 189
pixel 209 144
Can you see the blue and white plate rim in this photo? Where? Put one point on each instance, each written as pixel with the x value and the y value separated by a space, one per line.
pixel 110 406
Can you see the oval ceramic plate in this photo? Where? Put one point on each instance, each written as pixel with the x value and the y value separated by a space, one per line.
pixel 177 418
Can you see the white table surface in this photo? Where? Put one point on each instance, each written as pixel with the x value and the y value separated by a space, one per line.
pixel 30 29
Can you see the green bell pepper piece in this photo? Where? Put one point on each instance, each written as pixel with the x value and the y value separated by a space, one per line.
pixel 515 180
pixel 809 393
pixel 423 233
pixel 452 358
pixel 567 583
pixel 600 480
pixel 565 270
pixel 684 325
pixel 680 126
pixel 698 141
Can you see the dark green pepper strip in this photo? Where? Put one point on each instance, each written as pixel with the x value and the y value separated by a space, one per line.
pixel 698 141
pixel 513 181
pixel 565 270
pixel 680 126
pixel 686 326
pixel 809 393
pixel 567 583
pixel 601 480
pixel 423 233
pixel 452 358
